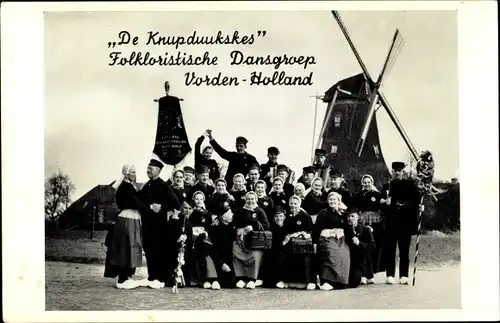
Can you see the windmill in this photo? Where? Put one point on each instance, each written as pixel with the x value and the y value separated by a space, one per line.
pixel 349 132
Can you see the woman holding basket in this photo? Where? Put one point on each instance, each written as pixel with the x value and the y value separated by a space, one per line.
pixel 298 247
pixel 247 253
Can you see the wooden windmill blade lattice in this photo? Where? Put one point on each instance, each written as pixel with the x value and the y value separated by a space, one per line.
pixel 377 95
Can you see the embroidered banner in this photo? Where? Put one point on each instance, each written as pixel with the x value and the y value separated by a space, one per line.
pixel 171 144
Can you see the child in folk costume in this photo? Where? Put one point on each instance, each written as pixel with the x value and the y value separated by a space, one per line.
pixel 273 263
pixel 220 199
pixel 223 235
pixel 361 246
pixel 264 201
pixel 368 202
pixel 299 266
pixel 332 236
pixel 124 253
pixel 277 194
pixel 315 200
pixel 238 191
pixel 247 261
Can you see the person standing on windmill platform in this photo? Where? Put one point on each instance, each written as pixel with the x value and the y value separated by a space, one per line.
pixel 239 160
pixel 402 200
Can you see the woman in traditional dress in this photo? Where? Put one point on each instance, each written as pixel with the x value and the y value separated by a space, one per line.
pixel 300 191
pixel 331 238
pixel 299 266
pixel 368 203
pixel 220 199
pixel 238 191
pixel 178 187
pixel 200 258
pixel 277 194
pixel 264 201
pixel 247 261
pixel 124 253
pixel 315 200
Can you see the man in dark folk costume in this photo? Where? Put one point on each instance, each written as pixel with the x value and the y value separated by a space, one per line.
pixel 239 160
pixel 337 184
pixel 159 246
pixel 308 173
pixel 321 169
pixel 253 177
pixel 283 173
pixel 204 158
pixel 403 203
pixel 189 181
pixel 269 170
pixel 203 184
pixel 363 243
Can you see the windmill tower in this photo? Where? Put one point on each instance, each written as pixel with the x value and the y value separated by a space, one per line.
pixel 350 133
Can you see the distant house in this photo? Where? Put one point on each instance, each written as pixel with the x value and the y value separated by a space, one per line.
pixel 99 203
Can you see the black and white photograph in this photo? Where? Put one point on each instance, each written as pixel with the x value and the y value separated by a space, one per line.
pixel 255 159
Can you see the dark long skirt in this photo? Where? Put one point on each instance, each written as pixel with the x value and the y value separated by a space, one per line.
pixel 246 262
pixel 298 267
pixel 333 260
pixel 375 220
pixel 273 268
pixel 124 253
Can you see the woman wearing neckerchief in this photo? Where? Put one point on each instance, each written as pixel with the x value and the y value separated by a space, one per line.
pixel 238 191
pixel 299 267
pixel 263 200
pixel 220 199
pixel 315 200
pixel 200 257
pixel 300 191
pixel 368 203
pixel 124 253
pixel 332 236
pixel 223 235
pixel 277 194
pixel 246 261
pixel 177 185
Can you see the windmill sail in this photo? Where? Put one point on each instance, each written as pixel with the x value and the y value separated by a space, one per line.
pixel 343 127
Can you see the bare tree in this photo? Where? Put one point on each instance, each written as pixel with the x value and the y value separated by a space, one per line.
pixel 58 190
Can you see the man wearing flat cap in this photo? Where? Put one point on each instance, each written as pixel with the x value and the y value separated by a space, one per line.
pixel 337 184
pixel 269 170
pixel 239 160
pixel 159 249
pixel 402 200
pixel 253 177
pixel 283 172
pixel 308 173
pixel 204 184
pixel 321 169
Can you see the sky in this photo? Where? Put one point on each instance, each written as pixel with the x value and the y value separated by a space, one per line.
pixel 99 117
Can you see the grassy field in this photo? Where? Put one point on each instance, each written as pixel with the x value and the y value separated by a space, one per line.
pixel 75 246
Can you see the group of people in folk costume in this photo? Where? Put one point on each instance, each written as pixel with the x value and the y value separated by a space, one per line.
pixel 321 234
